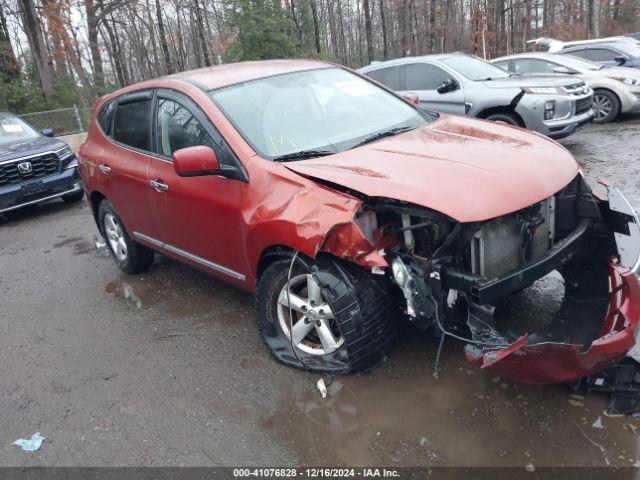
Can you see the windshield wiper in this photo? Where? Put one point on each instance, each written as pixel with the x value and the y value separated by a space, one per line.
pixel 302 155
pixel 383 134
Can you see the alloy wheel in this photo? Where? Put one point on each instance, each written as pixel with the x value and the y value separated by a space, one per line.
pixel 115 237
pixel 315 330
pixel 601 106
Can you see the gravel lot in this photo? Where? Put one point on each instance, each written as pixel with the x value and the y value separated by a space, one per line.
pixel 167 368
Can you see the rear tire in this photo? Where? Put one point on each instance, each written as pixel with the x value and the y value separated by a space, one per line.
pixel 74 197
pixel 505 117
pixel 606 106
pixel 353 307
pixel 129 255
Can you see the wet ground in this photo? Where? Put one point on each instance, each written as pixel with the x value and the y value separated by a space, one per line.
pixel 167 369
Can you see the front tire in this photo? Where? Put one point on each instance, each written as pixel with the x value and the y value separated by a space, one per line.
pixel 343 320
pixel 130 256
pixel 505 117
pixel 606 106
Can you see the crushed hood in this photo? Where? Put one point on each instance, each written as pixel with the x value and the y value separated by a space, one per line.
pixel 470 170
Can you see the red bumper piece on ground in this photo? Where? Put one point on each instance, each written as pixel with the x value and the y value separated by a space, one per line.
pixel 549 363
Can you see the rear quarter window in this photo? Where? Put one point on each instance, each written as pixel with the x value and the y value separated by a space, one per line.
pixel 390 77
pixel 131 124
pixel 105 115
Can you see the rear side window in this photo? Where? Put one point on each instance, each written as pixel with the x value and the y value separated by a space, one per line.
pixel 388 76
pixel 131 125
pixel 582 53
pixel 422 76
pixel 105 115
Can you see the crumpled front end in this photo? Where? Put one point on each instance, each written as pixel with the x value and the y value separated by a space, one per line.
pixel 596 323
pixel 544 295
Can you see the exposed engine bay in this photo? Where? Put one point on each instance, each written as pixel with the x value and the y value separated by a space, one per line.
pixel 463 280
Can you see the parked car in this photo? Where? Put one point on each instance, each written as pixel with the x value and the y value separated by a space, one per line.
pixel 611 52
pixel 346 207
pixel 556 106
pixel 34 167
pixel 615 90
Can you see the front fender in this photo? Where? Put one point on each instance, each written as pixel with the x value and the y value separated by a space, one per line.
pixel 309 218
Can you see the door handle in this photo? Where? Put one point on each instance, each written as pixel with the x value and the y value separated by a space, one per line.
pixel 104 168
pixel 158 185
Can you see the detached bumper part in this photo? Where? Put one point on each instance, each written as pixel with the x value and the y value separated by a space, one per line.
pixel 578 349
pixel 550 362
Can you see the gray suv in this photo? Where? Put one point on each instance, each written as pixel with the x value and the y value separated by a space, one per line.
pixel 556 106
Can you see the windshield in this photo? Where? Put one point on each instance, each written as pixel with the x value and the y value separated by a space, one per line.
pixel 326 110
pixel 630 48
pixel 579 64
pixel 12 130
pixel 475 69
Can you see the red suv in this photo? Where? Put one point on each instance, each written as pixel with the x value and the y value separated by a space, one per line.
pixel 346 208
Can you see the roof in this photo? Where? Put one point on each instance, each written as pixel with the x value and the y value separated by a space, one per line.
pixel 228 74
pixel 404 60
pixel 548 55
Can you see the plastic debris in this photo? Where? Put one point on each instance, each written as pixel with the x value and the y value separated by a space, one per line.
pixel 598 423
pixel 30 445
pixel 101 246
pixel 529 467
pixel 322 387
pixel 576 403
pixel 630 427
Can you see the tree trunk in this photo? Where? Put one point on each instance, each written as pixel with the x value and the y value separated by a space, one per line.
pixel 316 26
pixel 9 66
pixel 203 42
pixel 368 29
pixel 385 38
pixel 594 23
pixel 94 46
pixel 38 48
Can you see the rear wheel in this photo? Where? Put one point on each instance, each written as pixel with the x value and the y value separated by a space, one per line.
pixel 130 256
pixel 606 106
pixel 341 319
pixel 505 117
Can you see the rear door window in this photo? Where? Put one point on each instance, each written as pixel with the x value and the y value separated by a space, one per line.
pixel 131 123
pixel 391 77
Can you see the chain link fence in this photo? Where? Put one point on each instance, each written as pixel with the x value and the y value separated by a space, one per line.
pixel 63 121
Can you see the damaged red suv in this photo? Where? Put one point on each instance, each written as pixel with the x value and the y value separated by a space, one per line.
pixel 347 209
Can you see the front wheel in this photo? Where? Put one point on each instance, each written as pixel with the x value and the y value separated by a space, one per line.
pixel 330 317
pixel 130 256
pixel 504 117
pixel 606 106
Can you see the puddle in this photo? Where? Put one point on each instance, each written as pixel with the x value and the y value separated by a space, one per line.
pixel 124 290
pixel 398 414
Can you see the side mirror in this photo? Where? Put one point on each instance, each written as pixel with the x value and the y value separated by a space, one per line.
pixel 47 132
pixel 195 162
pixel 412 97
pixel 449 85
pixel 563 70
pixel 620 59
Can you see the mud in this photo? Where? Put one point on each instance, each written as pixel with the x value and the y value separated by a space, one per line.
pixel 167 368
